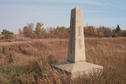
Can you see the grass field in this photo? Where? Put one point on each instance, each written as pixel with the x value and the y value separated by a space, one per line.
pixel 28 62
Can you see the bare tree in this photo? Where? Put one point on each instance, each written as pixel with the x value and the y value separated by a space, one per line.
pixel 28 30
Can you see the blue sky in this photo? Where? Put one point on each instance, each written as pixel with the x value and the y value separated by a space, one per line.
pixel 15 14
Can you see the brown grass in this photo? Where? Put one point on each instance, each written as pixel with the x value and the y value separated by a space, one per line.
pixel 29 62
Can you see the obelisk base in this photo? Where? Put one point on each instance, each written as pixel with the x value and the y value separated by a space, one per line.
pixel 78 69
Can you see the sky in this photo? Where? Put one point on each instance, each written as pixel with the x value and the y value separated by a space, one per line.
pixel 15 14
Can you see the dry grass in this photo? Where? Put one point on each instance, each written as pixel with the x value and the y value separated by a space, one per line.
pixel 29 62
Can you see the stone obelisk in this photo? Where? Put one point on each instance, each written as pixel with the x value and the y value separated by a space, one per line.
pixel 76 63
pixel 76 51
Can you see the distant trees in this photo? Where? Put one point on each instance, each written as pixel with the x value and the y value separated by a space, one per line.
pixel 122 33
pixel 41 32
pixel 91 31
pixel 59 32
pixel 104 31
pixel 39 29
pixel 4 32
pixel 7 34
pixel 28 30
pixel 63 32
pixel 117 29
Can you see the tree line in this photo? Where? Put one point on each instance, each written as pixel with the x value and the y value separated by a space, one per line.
pixel 63 32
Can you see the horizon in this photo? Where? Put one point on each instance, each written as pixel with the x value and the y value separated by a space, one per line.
pixel 17 14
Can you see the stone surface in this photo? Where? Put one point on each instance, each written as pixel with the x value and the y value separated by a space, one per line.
pixel 76 51
pixel 76 63
pixel 79 68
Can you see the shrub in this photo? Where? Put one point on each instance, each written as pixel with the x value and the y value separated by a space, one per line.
pixel 90 31
pixel 7 34
pixel 122 33
pixel 59 32
pixel 104 31
pixel 28 30
pixel 39 29
pixel 117 29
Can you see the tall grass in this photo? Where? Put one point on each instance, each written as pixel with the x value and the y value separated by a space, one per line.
pixel 30 63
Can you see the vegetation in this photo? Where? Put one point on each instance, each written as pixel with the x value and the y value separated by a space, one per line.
pixel 101 31
pixel 4 32
pixel 28 30
pixel 7 34
pixel 63 32
pixel 39 29
pixel 59 32
pixel 29 62
pixel 118 29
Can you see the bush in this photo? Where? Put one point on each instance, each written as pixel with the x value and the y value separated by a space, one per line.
pixel 117 29
pixel 7 34
pixel 28 30
pixel 104 31
pixel 90 31
pixel 122 33
pixel 59 32
pixel 39 29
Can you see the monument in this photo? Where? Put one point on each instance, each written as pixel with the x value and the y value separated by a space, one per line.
pixel 76 63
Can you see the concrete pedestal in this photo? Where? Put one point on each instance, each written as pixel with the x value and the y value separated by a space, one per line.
pixel 78 69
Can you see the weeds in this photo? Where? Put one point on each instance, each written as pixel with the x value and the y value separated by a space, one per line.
pixel 34 66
